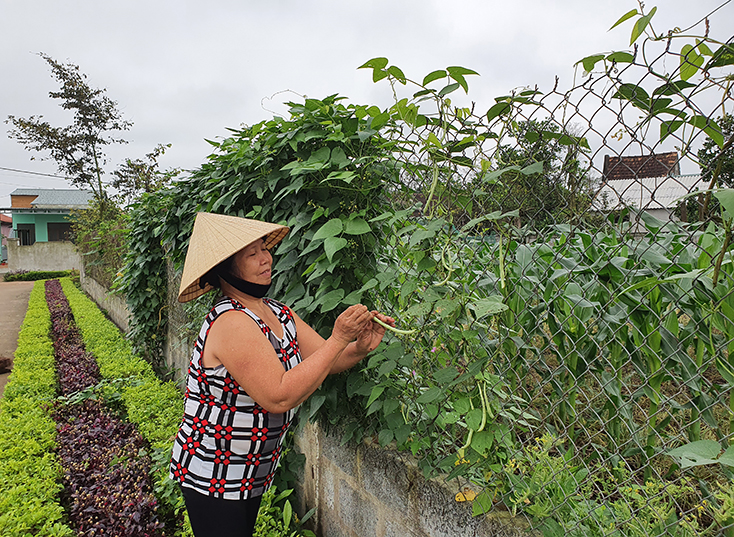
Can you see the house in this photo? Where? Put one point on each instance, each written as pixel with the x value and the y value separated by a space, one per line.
pixel 658 196
pixel 634 167
pixel 41 228
pixel 42 215
pixel 652 183
pixel 6 229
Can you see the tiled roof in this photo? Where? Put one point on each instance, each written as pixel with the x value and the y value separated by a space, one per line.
pixel 5 219
pixel 653 165
pixel 56 198
pixel 648 192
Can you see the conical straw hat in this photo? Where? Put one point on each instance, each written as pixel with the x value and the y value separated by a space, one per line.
pixel 214 239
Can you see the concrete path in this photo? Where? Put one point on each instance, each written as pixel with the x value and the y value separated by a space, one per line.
pixel 13 305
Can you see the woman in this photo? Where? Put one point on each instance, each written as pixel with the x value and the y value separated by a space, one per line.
pixel 254 362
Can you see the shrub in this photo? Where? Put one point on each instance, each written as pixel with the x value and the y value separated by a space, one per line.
pixel 34 275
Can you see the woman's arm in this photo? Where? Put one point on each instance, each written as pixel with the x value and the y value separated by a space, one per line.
pixel 237 342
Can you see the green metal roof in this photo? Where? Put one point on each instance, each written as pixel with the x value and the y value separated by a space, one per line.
pixel 51 198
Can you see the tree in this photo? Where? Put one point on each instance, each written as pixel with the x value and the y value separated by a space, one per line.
pixel 545 179
pixel 135 177
pixel 76 148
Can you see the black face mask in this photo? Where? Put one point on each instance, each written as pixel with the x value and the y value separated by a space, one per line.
pixel 253 289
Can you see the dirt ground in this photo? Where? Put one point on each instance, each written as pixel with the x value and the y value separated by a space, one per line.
pixel 13 305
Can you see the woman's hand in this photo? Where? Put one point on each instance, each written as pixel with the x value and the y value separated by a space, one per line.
pixel 352 323
pixel 372 335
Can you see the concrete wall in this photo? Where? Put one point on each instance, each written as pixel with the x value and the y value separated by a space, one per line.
pixel 179 335
pixel 369 491
pixel 114 305
pixel 61 255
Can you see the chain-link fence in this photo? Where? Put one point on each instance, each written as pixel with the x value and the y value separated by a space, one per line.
pixel 560 265
pixel 569 274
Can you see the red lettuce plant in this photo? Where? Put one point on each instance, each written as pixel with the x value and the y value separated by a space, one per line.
pixel 76 368
pixel 105 464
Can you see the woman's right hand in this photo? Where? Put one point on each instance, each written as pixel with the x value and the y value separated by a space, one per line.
pixel 351 323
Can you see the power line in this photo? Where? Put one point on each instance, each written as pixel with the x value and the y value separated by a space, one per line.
pixel 35 173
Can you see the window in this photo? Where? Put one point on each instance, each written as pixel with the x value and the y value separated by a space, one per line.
pixel 26 234
pixel 59 231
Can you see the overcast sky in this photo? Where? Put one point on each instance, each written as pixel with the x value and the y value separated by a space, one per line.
pixel 183 71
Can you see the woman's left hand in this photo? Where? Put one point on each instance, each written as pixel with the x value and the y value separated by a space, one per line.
pixel 370 337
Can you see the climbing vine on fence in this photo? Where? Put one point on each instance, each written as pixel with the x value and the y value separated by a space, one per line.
pixel 560 351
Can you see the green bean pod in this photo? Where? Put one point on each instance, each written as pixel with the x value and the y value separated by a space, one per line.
pixel 392 328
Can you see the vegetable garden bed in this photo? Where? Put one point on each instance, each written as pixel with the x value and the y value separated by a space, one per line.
pixel 86 429
pixel 92 462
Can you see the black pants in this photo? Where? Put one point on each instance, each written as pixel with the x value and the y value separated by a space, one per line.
pixel 214 517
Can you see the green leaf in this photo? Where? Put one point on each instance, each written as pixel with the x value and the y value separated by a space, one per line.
pixel 385 437
pixel 433 140
pixel 446 375
pixel 460 71
pixel 703 48
pixel 723 56
pixel 339 158
pixel 474 418
pixel 728 457
pixel 726 199
pixel 435 75
pixel 620 57
pixel 356 226
pixel 448 89
pixel 498 110
pixel 696 453
pixel 330 229
pixel 641 25
pixel 590 61
pixel 347 177
pixel 482 504
pixel 396 73
pixel 488 306
pixel 430 395
pixel 331 300
pixel 710 127
pixel 482 442
pixel 376 392
pixel 332 245
pixel 316 402
pixel 690 62
pixel 535 167
pixel 669 127
pixel 387 367
pixel 673 88
pixel 380 120
pixel 374 63
pixel 624 17
pixel 287 514
pixel 635 94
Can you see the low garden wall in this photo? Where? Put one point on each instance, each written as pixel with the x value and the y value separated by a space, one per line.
pixel 113 305
pixel 43 256
pixel 368 491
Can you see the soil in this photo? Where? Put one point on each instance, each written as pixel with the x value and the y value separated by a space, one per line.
pixel 13 305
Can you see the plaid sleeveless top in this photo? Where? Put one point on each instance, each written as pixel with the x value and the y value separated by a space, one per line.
pixel 228 446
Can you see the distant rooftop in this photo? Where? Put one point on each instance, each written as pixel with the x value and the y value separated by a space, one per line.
pixel 48 198
pixel 641 166
pixel 647 193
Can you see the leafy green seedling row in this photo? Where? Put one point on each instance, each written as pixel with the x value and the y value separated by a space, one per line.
pixel 29 470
